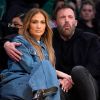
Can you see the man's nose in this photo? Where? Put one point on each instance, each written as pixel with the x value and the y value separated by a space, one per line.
pixel 66 19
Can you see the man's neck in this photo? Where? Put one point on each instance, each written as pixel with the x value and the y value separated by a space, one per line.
pixel 66 38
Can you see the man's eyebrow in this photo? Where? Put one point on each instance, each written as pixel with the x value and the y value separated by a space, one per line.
pixel 62 16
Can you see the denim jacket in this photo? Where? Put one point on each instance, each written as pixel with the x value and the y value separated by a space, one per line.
pixel 42 73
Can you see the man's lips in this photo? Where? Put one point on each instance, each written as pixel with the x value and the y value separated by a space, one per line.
pixel 66 27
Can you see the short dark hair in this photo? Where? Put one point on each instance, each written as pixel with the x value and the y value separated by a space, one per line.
pixel 88 2
pixel 21 16
pixel 64 7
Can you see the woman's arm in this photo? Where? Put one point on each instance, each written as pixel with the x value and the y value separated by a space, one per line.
pixel 65 80
pixel 62 74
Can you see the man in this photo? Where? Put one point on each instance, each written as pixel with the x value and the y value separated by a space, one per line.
pixel 75 48
pixel 72 48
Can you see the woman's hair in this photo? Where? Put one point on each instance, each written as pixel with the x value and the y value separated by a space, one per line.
pixel 46 37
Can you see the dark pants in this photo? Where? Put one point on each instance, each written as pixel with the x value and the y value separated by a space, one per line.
pixel 84 88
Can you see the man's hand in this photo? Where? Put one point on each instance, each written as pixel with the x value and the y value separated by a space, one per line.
pixel 11 50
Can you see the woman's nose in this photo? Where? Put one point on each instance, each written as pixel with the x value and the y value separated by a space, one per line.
pixel 39 25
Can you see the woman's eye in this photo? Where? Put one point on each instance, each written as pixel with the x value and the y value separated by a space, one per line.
pixel 34 22
pixel 43 22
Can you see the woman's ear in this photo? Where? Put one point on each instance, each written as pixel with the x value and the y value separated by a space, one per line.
pixel 45 31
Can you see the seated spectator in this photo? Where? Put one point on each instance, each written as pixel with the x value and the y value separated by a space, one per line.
pixel 87 20
pixel 17 22
pixel 12 29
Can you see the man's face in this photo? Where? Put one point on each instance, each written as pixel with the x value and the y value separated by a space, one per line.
pixel 66 22
pixel 87 12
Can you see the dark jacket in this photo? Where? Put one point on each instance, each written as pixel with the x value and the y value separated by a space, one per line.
pixel 81 49
pixel 82 25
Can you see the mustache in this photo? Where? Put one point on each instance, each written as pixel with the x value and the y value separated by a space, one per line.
pixel 67 24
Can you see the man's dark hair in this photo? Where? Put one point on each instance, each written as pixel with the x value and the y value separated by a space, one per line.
pixel 20 15
pixel 64 7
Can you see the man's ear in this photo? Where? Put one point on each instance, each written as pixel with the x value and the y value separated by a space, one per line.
pixel 76 22
pixel 55 22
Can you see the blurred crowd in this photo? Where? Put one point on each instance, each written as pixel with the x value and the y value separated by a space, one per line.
pixel 87 13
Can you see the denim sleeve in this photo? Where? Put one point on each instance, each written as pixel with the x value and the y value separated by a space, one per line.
pixel 27 59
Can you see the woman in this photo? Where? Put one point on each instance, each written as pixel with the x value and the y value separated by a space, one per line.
pixel 35 70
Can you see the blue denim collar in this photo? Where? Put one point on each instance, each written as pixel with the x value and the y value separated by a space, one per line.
pixel 40 43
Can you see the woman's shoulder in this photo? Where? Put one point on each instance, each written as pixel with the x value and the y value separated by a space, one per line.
pixel 21 39
pixel 18 38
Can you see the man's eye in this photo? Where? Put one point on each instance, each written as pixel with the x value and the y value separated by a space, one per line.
pixel 70 16
pixel 62 17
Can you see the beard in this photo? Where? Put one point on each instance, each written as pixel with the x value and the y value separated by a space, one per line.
pixel 66 33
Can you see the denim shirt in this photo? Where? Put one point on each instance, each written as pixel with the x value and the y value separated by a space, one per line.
pixel 42 73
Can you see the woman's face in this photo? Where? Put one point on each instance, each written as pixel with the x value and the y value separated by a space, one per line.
pixel 37 26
